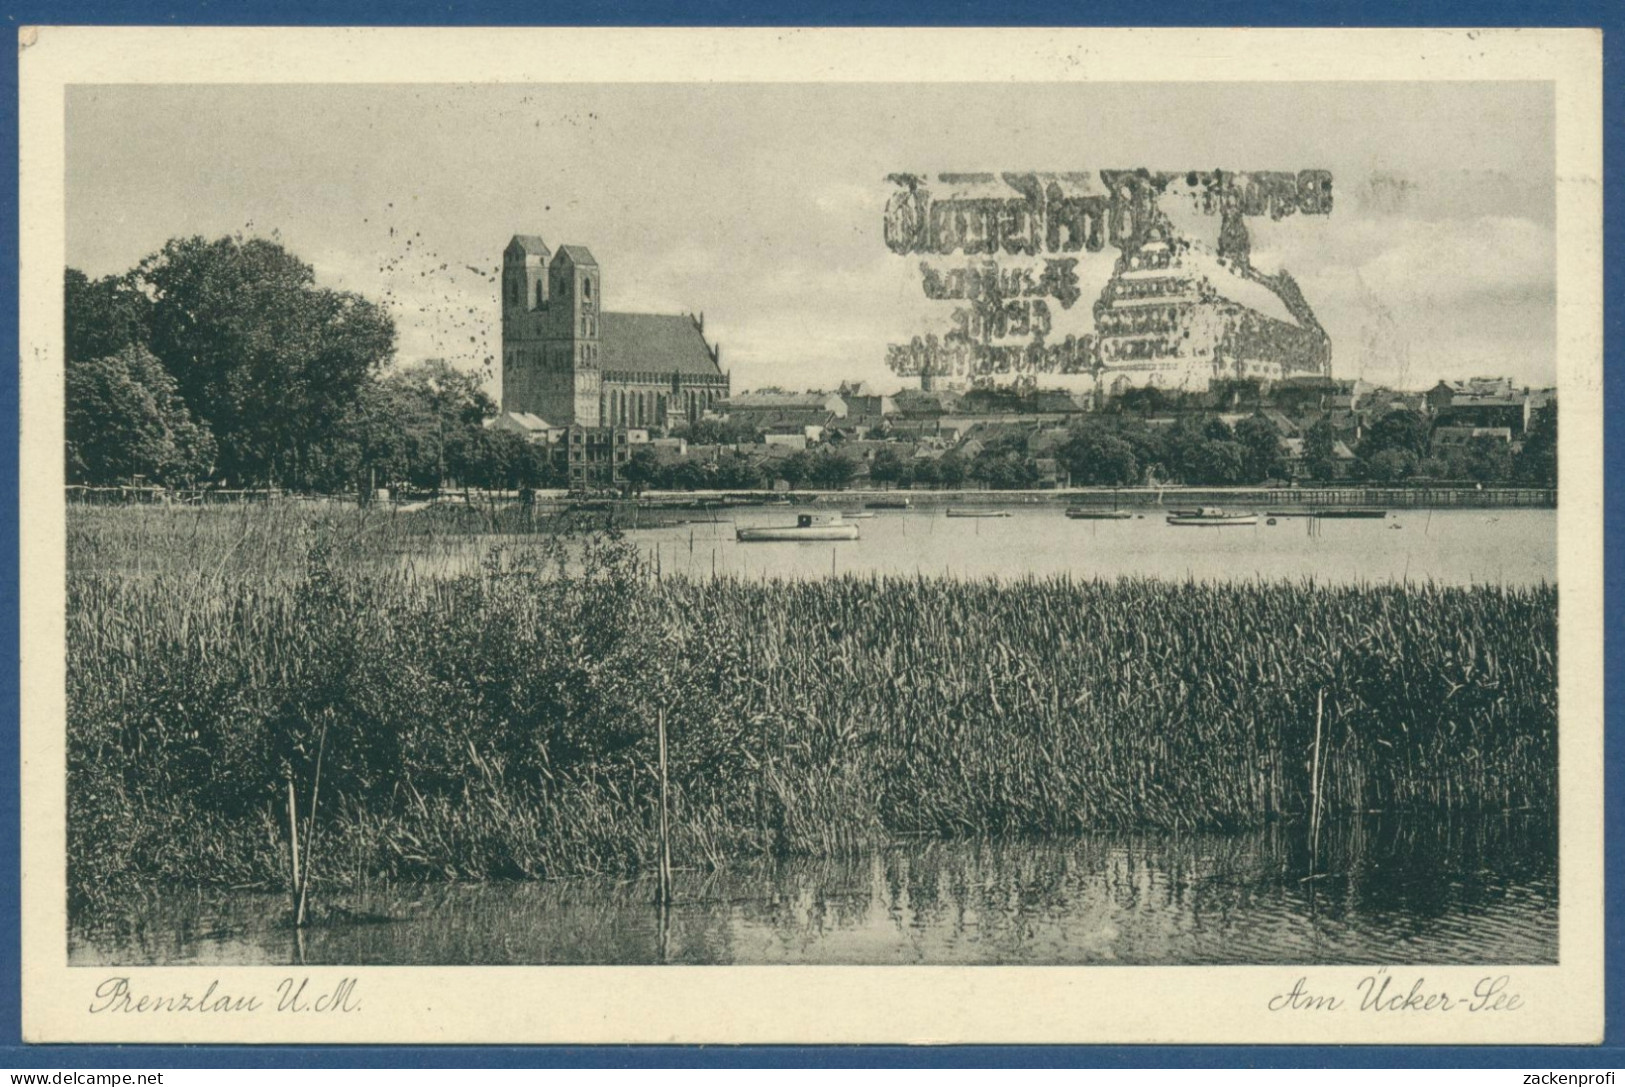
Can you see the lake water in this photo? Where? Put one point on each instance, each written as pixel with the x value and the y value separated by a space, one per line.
pixel 1500 546
pixel 1478 891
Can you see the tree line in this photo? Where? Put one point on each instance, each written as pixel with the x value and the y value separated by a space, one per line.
pixel 222 361
pixel 1122 450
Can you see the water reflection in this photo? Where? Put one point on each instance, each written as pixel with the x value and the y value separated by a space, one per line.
pixel 1459 892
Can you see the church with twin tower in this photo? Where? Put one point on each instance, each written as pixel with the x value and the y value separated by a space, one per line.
pixel 572 363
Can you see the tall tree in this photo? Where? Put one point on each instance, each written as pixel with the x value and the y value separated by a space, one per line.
pixel 1320 450
pixel 886 468
pixel 441 411
pixel 504 460
pixel 1402 430
pixel 1185 451
pixel 125 420
pixel 1489 459
pixel 1096 456
pixel 832 469
pixel 271 361
pixel 1261 443
pixel 1391 464
pixel 456 397
pixel 1537 460
pixel 642 468
pixel 739 471
pixel 1223 464
pixel 796 468
pixel 103 317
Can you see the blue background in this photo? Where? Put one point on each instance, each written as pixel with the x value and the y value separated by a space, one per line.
pixel 1602 13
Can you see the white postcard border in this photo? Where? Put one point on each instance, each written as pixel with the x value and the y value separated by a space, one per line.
pixel 807 1004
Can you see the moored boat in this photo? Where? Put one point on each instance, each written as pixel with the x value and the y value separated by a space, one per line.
pixel 808 526
pixel 1210 517
pixel 1084 513
pixel 1373 512
pixel 887 504
pixel 972 511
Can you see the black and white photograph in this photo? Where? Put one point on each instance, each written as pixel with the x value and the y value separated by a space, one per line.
pixel 861 523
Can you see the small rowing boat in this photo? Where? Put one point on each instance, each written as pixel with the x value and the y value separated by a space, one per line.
pixel 955 511
pixel 887 504
pixel 808 526
pixel 1084 513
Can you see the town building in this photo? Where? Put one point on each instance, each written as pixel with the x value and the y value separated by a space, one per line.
pixel 1295 395
pixel 867 412
pixel 567 360
pixel 1445 393
pixel 786 413
pixel 787 439
pixel 594 457
pixel 587 458
pixel 1480 403
pixel 1295 460
pixel 1446 437
pixel 531 427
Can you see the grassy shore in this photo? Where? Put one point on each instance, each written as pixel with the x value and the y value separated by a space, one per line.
pixel 500 723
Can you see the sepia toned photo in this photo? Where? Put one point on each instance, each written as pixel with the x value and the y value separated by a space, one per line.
pixel 1034 531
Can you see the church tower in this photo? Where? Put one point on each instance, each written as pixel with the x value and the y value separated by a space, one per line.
pixel 574 308
pixel 550 332
pixel 524 315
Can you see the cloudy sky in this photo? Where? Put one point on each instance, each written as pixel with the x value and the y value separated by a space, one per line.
pixel 761 204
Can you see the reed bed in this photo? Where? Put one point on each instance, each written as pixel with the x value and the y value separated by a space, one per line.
pixel 499 721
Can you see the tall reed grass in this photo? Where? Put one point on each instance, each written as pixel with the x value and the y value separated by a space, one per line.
pixel 499 722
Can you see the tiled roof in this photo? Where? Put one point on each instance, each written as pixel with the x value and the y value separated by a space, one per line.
pixel 523 420
pixel 530 243
pixel 1282 423
pixel 579 255
pixel 919 402
pixel 655 342
pixel 779 402
pixel 1488 400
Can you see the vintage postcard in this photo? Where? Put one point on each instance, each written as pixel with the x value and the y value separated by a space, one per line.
pixel 811 536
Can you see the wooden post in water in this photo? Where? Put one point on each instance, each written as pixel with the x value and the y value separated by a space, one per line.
pixel 663 895
pixel 1314 785
pixel 293 841
pixel 663 935
pixel 300 913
